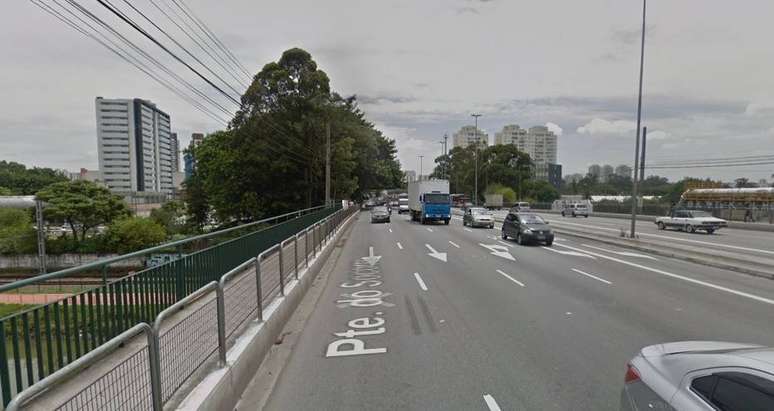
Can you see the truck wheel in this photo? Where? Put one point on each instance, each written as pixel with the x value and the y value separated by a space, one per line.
pixel 503 235
pixel 661 225
pixel 562 213
pixel 446 222
pixel 586 216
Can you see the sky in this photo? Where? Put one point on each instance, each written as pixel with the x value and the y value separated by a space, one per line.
pixel 419 69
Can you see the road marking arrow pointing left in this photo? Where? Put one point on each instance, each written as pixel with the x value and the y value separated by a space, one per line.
pixel 436 254
pixel 371 259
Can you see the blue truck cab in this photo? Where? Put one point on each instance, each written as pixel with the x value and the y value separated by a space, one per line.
pixel 435 207
pixel 429 200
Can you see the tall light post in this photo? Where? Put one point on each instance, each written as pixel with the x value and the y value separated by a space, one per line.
pixel 419 177
pixel 475 184
pixel 639 118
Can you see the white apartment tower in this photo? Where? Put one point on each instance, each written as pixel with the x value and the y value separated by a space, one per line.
pixel 539 142
pixel 135 147
pixel 468 135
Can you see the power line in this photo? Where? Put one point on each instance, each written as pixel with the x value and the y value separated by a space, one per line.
pixel 738 164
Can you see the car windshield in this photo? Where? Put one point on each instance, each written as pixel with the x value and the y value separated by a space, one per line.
pixel 380 209
pixel 531 219
pixel 435 198
pixel 479 211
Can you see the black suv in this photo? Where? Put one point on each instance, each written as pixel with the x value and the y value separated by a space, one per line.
pixel 527 228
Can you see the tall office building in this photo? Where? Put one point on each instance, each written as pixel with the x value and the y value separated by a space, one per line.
pixel 174 143
pixel 189 161
pixel 468 136
pixel 539 142
pixel 134 146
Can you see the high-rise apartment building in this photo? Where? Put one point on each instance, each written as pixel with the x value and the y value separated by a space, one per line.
pixel 468 135
pixel 189 161
pixel 175 145
pixel 539 142
pixel 134 146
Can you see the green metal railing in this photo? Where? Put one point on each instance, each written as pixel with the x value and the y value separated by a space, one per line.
pixel 39 341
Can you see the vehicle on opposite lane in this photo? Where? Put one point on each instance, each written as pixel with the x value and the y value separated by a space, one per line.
pixel 380 214
pixel 478 217
pixel 700 375
pixel 527 228
pixel 690 221
pixel 576 210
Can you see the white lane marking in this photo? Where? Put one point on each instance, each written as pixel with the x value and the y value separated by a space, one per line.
pixel 510 278
pixel 421 283
pixel 498 250
pixel 429 229
pixel 371 259
pixel 505 244
pixel 676 238
pixel 399 246
pixel 625 253
pixel 468 230
pixel 454 244
pixel 680 277
pixel 569 252
pixel 436 254
pixel 591 276
pixel 491 403
pixel 491 237
pixel 390 229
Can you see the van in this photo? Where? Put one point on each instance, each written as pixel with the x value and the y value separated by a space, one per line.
pixel 576 210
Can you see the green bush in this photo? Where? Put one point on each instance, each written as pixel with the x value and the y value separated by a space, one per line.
pixel 134 233
pixel 17 235
pixel 509 196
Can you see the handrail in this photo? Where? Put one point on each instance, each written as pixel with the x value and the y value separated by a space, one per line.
pixel 87 360
pixel 100 263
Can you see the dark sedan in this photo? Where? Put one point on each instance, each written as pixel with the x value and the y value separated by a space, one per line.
pixel 380 214
pixel 527 228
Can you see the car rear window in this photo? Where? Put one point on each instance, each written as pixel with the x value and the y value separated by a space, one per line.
pixel 736 391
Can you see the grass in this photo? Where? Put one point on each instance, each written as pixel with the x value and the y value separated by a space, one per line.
pixel 8 309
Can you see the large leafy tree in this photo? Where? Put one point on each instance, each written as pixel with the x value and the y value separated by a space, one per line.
pixel 20 180
pixel 82 205
pixel 271 159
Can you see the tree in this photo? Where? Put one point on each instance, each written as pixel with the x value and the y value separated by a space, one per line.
pixel 82 205
pixel 23 181
pixel 134 233
pixel 171 216
pixel 543 192
pixel 17 236
pixel 744 182
pixel 5 191
pixel 509 196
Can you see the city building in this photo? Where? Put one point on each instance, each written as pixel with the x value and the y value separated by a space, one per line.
pixel 175 146
pixel 623 171
pixel 134 146
pixel 605 172
pixel 468 135
pixel 410 175
pixel 189 161
pixel 539 142
pixel 548 172
pixel 95 176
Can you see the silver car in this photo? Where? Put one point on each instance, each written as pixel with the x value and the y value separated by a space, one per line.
pixel 478 217
pixel 700 375
pixel 380 214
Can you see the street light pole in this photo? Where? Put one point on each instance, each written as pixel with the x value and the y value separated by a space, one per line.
pixel 475 184
pixel 639 118
pixel 419 177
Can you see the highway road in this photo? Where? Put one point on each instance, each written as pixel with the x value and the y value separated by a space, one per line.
pixel 447 317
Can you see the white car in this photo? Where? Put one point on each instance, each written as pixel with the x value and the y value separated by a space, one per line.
pixel 576 210
pixel 690 221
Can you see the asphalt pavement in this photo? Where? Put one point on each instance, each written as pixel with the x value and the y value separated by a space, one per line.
pixel 448 317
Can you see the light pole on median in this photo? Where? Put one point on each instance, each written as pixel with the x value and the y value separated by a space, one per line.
pixel 419 177
pixel 475 184
pixel 639 117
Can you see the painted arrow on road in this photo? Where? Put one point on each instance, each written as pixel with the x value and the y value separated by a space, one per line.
pixel 371 259
pixel 436 254
pixel 498 250
pixel 575 253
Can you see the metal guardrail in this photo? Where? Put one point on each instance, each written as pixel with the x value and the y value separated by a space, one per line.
pixel 179 352
pixel 39 341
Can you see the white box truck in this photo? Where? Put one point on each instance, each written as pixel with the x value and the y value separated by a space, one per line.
pixel 429 201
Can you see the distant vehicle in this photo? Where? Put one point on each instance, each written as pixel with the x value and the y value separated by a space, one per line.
pixel 700 375
pixel 429 201
pixel 478 217
pixel 394 203
pixel 575 210
pixel 520 206
pixel 493 201
pixel 380 214
pixel 527 228
pixel 690 221
pixel 403 206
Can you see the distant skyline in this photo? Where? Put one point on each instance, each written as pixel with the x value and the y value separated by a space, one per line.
pixel 570 65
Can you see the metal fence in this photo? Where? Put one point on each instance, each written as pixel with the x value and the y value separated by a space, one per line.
pixel 37 342
pixel 189 333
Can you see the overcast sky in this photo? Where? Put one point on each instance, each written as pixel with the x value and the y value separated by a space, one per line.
pixel 420 68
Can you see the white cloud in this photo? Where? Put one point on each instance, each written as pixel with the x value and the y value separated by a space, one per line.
pixel 555 128
pixel 658 135
pixel 600 126
pixel 763 108
pixel 771 131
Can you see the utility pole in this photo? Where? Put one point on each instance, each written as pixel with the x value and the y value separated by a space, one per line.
pixel 419 177
pixel 328 163
pixel 642 153
pixel 475 184
pixel 639 118
pixel 445 153
pixel 41 236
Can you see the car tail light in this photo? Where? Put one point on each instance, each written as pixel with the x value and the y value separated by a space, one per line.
pixel 632 375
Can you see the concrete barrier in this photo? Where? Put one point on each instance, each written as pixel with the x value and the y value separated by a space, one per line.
pixel 731 224
pixel 222 388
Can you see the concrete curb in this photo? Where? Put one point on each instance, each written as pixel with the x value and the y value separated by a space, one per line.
pixel 222 388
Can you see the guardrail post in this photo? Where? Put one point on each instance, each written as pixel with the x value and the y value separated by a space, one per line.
pixel 306 247
pixel 221 325
pixel 258 285
pixel 154 359
pixel 295 254
pixel 281 267
pixel 104 274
